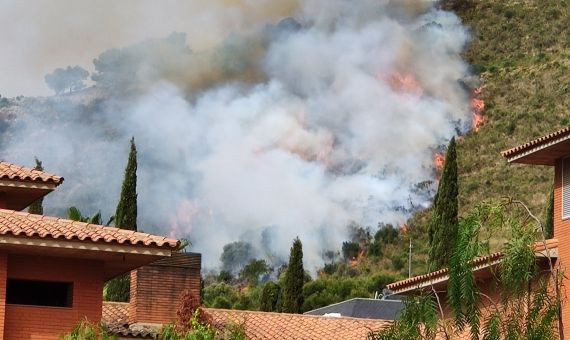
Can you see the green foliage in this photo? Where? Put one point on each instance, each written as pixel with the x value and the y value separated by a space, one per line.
pixel 75 215
pixel 68 79
pixel 253 270
pixel 220 295
pixel 294 279
pixel 85 330
pixel 225 276
pixel 37 207
pixel 350 250
pixel 195 330
pixel 520 313
pixel 443 225
pixel 126 213
pixel 270 297
pixel 118 289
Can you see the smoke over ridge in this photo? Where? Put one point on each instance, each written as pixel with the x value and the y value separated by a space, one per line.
pixel 316 118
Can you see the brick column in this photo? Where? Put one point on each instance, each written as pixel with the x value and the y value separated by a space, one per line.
pixel 3 276
pixel 562 233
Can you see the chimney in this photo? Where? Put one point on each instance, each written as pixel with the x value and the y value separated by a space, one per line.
pixel 156 288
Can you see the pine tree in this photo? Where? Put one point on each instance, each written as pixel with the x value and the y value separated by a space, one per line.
pixel 294 278
pixel 126 213
pixel 117 289
pixel 549 223
pixel 37 207
pixel 444 223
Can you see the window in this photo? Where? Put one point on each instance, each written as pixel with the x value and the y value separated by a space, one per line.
pixel 39 293
pixel 566 188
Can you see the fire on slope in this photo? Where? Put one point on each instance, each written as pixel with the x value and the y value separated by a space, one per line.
pixel 477 105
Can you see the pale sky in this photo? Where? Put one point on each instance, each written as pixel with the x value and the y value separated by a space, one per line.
pixel 39 36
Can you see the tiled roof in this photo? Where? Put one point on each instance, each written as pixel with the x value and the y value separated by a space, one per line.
pixel 115 316
pixel 442 273
pixel 9 171
pixel 265 325
pixel 541 140
pixel 21 224
pixel 260 325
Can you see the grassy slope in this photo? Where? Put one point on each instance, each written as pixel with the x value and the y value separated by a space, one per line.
pixel 522 51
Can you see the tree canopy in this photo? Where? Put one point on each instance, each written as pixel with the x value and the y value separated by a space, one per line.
pixel 67 80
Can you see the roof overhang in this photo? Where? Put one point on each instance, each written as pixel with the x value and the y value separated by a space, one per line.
pixel 481 269
pixel 117 258
pixel 18 195
pixel 541 151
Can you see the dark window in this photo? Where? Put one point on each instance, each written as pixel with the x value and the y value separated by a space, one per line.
pixel 39 293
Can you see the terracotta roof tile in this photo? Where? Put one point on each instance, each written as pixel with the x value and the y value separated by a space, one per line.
pixel 29 225
pixel 541 140
pixel 442 273
pixel 9 171
pixel 265 325
pixel 261 325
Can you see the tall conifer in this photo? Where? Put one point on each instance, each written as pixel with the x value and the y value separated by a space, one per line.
pixel 126 213
pixel 118 288
pixel 444 223
pixel 37 207
pixel 294 279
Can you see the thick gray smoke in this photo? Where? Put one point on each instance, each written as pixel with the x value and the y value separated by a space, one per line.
pixel 297 128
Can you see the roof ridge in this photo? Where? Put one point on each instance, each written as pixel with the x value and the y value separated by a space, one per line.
pixel 238 311
pixel 13 171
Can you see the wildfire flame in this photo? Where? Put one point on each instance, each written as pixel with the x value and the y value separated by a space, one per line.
pixel 438 160
pixel 403 82
pixel 477 106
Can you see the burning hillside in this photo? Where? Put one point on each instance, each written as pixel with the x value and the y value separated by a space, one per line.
pixel 309 120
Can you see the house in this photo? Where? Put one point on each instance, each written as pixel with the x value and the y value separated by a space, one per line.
pixel 549 150
pixel 380 309
pixel 52 270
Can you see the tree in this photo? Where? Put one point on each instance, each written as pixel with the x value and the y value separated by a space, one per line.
pixel 529 298
pixel 549 223
pixel 126 213
pixel 270 297
pixel 69 79
pixel 117 289
pixel 253 270
pixel 294 280
pixel 443 225
pixel 75 215
pixel 37 207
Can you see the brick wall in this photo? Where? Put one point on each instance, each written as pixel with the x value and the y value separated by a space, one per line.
pixel 3 272
pixel 156 288
pixel 35 322
pixel 562 233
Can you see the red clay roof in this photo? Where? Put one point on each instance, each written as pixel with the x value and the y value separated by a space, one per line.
pixel 21 224
pixel 533 143
pixel 115 316
pixel 265 325
pixel 261 325
pixel 442 273
pixel 9 171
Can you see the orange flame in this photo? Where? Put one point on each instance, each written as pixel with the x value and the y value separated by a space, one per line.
pixel 402 82
pixel 183 218
pixel 356 260
pixel 403 228
pixel 477 106
pixel 438 160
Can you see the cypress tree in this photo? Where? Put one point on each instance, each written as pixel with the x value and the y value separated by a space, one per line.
pixel 549 223
pixel 126 213
pixel 444 223
pixel 37 207
pixel 118 288
pixel 294 278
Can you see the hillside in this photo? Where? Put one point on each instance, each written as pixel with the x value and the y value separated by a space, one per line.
pixel 521 49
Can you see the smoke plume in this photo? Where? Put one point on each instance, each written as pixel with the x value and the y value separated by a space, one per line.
pixel 312 116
